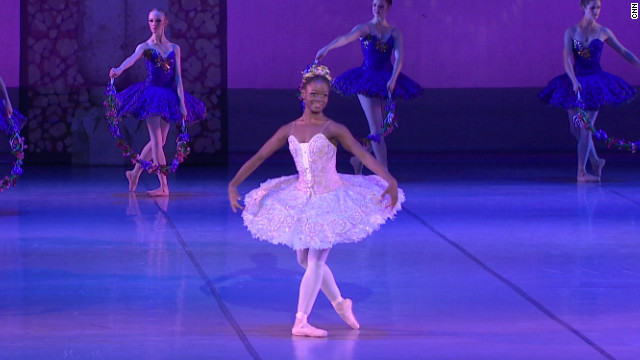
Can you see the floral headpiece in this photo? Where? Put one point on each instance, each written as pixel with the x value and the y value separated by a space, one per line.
pixel 315 70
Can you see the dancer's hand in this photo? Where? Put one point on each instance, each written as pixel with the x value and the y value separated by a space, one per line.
pixel 8 109
pixel 391 84
pixel 577 87
pixel 234 198
pixel 321 53
pixel 392 191
pixel 114 73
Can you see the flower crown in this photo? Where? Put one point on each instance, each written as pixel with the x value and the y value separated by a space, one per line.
pixel 315 70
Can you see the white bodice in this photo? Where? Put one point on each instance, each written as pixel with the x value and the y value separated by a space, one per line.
pixel 316 164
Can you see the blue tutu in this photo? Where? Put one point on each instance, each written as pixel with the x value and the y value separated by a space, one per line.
pixel 18 119
pixel 157 95
pixel 371 78
pixel 599 88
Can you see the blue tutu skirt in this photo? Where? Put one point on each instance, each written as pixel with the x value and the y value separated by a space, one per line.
pixel 598 89
pixel 143 101
pixel 18 119
pixel 373 83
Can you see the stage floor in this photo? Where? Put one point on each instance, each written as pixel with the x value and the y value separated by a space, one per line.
pixel 491 258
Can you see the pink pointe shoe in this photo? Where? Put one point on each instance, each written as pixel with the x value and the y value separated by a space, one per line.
pixel 344 308
pixel 302 328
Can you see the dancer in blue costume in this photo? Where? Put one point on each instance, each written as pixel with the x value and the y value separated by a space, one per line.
pixel 160 100
pixel 583 44
pixel 7 111
pixel 377 77
pixel 317 208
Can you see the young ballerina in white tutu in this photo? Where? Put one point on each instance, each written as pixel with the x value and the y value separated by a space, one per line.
pixel 317 208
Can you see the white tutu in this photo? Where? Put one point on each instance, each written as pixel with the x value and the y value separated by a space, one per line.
pixel 335 208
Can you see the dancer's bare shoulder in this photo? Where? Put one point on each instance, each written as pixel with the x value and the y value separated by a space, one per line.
pixel 335 130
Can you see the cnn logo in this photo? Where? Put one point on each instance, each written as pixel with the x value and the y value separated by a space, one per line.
pixel 634 11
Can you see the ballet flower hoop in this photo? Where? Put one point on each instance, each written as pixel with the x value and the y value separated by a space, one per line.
pixel 389 124
pixel 16 141
pixel 182 142
pixel 580 119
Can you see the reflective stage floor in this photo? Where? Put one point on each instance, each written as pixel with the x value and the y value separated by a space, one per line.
pixel 491 258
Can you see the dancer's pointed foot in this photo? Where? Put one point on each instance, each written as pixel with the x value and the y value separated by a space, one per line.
pixel 584 177
pixel 161 191
pixel 344 308
pixel 302 328
pixel 597 167
pixel 357 165
pixel 133 177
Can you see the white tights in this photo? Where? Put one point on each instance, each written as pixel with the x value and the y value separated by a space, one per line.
pixel 316 276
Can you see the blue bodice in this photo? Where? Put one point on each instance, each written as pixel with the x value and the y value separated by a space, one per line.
pixel 160 70
pixel 586 59
pixel 377 52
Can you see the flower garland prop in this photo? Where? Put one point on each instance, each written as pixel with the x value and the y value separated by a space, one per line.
pixel 182 142
pixel 580 119
pixel 389 124
pixel 16 141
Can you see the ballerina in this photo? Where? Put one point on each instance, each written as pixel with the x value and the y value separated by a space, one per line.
pixel 160 100
pixel 317 208
pixel 583 44
pixel 377 79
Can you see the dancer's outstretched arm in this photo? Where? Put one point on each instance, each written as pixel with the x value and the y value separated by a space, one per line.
pixel 178 80
pixel 128 62
pixel 352 145
pixel 567 58
pixel 612 41
pixel 276 141
pixel 5 97
pixel 342 40
pixel 398 53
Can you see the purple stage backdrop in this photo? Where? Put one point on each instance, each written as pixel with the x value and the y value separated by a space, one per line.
pixel 455 43
pixel 10 42
pixel 449 44
pixel 451 47
pixel 66 50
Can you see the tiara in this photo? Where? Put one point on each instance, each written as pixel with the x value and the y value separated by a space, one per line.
pixel 315 70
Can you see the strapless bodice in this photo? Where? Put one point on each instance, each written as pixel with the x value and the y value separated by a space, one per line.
pixel 316 164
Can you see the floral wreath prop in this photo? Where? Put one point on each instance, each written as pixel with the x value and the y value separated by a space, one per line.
pixel 16 141
pixel 387 126
pixel 182 142
pixel 581 120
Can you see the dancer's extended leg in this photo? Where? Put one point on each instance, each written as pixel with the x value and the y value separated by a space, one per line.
pixel 134 175
pixel 373 110
pixel 309 287
pixel 328 284
pixel 158 131
pixel 586 149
